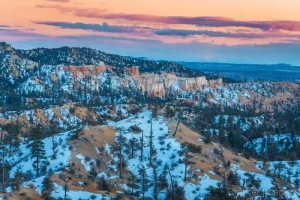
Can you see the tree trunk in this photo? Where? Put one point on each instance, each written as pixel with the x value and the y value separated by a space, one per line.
pixel 155 190
pixel 185 167
pixel 53 146
pixel 121 164
pixel 37 165
pixel 132 147
pixel 10 147
pixel 3 163
pixel 142 146
pixel 65 190
pixel 176 127
pixel 172 185
pixel 3 170
pixel 151 145
pixel 143 186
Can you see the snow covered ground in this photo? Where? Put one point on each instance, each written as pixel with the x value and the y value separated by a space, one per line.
pixel 59 191
pixel 77 194
pixel 167 153
pixel 244 122
pixel 286 170
pixel 282 142
pixel 21 159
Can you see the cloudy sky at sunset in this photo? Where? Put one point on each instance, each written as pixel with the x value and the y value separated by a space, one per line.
pixel 236 31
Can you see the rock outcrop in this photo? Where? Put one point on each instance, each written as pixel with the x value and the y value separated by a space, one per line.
pixel 87 69
pixel 157 85
pixel 133 71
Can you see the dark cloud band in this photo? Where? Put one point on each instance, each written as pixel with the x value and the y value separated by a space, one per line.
pixel 250 35
pixel 197 21
pixel 105 27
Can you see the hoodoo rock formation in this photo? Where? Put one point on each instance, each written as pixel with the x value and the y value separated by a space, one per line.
pixel 88 69
pixel 133 71
pixel 153 84
pixel 156 85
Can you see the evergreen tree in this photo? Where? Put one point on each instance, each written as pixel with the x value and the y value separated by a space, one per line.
pixel 3 162
pixel 178 122
pixel 151 144
pixel 132 183
pixel 176 194
pixel 222 192
pixel 155 182
pixel 186 160
pixel 144 182
pixel 37 148
pixel 142 146
pixel 102 184
pixel 47 187
pixel 118 151
pixel 132 146
pixel 154 111
pixel 162 179
pixel 12 130
pixel 18 179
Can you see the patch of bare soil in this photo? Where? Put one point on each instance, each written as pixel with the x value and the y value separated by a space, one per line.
pixel 91 144
pixel 209 156
pixel 24 193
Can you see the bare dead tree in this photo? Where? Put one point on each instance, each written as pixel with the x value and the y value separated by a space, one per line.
pixel 142 146
pixel 151 143
pixel 176 127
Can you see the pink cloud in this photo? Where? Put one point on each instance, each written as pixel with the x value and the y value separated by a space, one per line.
pixel 197 21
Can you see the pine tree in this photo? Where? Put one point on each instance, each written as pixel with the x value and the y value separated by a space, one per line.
pixel 3 160
pixel 151 144
pixel 176 127
pixel 66 180
pixel 52 131
pixel 186 160
pixel 162 179
pixel 102 184
pixel 221 192
pixel 176 194
pixel 172 188
pixel 132 183
pixel 154 111
pixel 132 145
pixel 118 151
pixel 144 182
pixel 155 182
pixel 142 146
pixel 37 148
pixel 12 130
pixel 18 179
pixel 47 187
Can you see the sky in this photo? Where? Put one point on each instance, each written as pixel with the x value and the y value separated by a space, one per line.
pixel 231 31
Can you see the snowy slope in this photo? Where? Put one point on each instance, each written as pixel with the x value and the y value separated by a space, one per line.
pixel 167 153
pixel 21 158
pixel 282 142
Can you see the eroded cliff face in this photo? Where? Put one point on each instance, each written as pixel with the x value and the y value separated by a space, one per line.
pixel 133 71
pixel 87 69
pixel 158 84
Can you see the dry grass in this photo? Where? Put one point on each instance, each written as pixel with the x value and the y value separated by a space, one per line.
pixel 208 158
pixel 89 139
pixel 23 194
